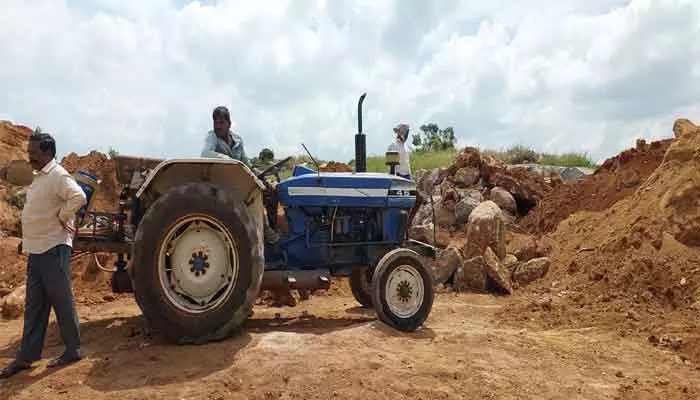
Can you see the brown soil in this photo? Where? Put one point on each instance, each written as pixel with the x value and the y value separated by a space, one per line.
pixel 13 146
pixel 96 163
pixel 617 178
pixel 329 348
pixel 13 142
pixel 333 166
pixel 633 267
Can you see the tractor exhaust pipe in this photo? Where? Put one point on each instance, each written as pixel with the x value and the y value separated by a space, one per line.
pixel 360 143
pixel 290 280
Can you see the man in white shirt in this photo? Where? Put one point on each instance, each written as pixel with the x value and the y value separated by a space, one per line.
pixel 404 167
pixel 48 227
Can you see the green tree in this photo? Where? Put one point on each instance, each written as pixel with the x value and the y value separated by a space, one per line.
pixel 432 138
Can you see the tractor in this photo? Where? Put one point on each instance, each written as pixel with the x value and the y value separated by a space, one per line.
pixel 189 241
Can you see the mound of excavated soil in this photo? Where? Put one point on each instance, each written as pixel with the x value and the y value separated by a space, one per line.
pixel 634 265
pixel 617 178
pixel 13 142
pixel 13 146
pixel 333 166
pixel 96 163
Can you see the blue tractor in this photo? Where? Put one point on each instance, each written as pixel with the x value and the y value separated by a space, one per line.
pixel 190 244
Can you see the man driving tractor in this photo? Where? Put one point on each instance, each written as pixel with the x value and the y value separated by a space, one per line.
pixel 221 142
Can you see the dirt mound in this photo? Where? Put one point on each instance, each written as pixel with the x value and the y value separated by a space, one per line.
pixel 634 265
pixel 13 146
pixel 96 163
pixel 617 178
pixel 13 142
pixel 334 166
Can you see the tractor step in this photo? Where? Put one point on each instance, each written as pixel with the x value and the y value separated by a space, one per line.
pixel 314 279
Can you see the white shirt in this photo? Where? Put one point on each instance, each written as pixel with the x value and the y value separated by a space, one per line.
pixel 54 196
pixel 404 166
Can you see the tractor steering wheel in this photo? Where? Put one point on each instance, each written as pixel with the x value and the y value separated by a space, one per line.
pixel 273 169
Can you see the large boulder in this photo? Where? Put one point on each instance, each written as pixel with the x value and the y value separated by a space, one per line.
pixel 427 179
pixel 424 233
pixel 445 213
pixel 497 272
pixel 683 126
pixel 471 276
pixel 525 247
pixel 468 157
pixel 532 270
pixel 464 208
pixel 473 192
pixel 486 229
pixel 466 177
pixel 510 261
pixel 13 303
pixel 424 215
pixel 503 199
pixel 447 263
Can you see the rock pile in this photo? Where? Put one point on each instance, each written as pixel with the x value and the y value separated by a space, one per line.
pixel 474 201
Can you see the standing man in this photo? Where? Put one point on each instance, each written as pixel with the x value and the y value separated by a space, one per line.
pixel 404 167
pixel 48 227
pixel 221 142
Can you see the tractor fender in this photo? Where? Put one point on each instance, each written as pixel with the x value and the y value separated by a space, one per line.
pixel 227 173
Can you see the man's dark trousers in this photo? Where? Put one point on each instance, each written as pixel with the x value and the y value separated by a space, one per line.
pixel 49 285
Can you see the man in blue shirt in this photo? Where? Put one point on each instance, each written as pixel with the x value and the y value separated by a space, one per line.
pixel 221 142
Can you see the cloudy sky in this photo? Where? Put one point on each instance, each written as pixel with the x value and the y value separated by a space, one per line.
pixel 143 75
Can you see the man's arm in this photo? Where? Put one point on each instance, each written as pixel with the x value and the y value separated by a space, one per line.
pixel 209 150
pixel 73 196
pixel 244 158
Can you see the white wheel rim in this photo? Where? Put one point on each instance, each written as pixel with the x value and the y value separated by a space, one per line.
pixel 404 291
pixel 198 264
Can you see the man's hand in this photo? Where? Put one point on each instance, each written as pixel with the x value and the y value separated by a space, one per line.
pixel 69 226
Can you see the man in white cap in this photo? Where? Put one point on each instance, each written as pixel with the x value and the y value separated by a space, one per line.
pixel 404 167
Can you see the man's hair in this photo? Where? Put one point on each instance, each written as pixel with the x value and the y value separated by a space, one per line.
pixel 46 142
pixel 221 112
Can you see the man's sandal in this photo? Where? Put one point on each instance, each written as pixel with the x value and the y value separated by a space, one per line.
pixel 62 360
pixel 14 368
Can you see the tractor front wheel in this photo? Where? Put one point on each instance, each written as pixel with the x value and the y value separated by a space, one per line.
pixel 402 290
pixel 198 263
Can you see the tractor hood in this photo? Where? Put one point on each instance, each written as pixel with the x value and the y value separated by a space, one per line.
pixel 347 189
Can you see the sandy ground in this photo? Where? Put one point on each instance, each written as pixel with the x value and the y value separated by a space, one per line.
pixel 328 348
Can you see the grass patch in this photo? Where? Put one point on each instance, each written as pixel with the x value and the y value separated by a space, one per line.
pixel 419 160
pixel 517 154
pixel 520 154
pixel 567 160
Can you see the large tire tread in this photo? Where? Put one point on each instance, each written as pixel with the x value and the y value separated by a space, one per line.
pixel 176 325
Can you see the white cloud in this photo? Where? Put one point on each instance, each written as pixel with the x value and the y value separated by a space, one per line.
pixel 143 76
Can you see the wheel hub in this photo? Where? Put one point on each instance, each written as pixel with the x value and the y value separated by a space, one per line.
pixel 199 264
pixel 404 291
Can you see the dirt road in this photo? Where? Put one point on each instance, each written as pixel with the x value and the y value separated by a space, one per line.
pixel 328 348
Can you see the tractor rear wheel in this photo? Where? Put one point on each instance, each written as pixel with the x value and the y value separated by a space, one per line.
pixel 361 284
pixel 198 263
pixel 402 290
